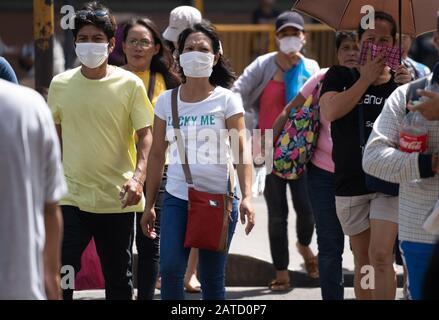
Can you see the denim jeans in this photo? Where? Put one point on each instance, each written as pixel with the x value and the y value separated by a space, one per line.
pixel 275 194
pixel 174 257
pixel 113 235
pixel 330 237
pixel 417 258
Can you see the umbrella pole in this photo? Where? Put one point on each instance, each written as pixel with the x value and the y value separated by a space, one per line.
pixel 400 29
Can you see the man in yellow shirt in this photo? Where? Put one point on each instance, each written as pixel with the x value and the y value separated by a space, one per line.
pixel 97 108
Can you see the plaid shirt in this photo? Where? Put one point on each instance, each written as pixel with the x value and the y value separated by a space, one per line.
pixel 383 159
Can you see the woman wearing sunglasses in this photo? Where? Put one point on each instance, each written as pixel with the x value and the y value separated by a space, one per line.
pixel 148 58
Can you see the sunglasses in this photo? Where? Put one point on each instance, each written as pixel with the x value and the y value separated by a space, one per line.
pixel 90 14
pixel 143 43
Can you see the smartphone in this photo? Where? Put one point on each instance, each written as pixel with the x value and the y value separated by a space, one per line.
pixel 393 54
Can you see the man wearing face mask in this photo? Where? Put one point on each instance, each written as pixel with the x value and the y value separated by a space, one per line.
pixel 97 108
pixel 265 87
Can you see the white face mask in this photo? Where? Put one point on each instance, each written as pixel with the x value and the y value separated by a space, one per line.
pixel 91 54
pixel 290 44
pixel 197 64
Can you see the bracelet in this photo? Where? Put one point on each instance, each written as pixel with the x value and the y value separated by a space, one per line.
pixel 138 180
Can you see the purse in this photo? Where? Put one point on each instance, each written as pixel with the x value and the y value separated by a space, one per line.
pixel 209 214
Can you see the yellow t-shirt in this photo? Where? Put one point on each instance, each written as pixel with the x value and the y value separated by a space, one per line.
pixel 160 85
pixel 98 119
pixel 159 88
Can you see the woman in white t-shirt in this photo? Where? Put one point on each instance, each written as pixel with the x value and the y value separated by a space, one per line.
pixel 207 111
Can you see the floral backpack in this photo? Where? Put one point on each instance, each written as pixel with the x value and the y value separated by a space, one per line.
pixel 296 144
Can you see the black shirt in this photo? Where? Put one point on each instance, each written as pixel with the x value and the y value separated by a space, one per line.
pixel 345 132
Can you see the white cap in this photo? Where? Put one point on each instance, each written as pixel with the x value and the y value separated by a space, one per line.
pixel 181 18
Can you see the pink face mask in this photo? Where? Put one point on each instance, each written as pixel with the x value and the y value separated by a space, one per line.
pixel 393 54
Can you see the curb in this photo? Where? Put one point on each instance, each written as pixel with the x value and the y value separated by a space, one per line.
pixel 246 271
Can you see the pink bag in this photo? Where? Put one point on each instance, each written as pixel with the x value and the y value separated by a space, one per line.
pixel 90 276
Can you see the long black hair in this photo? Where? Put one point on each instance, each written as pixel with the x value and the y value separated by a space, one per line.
pixel 163 61
pixel 222 74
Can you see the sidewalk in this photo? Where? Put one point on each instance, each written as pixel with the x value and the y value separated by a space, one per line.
pixel 249 268
pixel 252 254
pixel 242 293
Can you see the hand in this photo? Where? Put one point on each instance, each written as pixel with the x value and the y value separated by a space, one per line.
pixel 52 283
pixel 430 108
pixel 373 68
pixel 147 223
pixel 246 209
pixel 131 193
pixel 403 75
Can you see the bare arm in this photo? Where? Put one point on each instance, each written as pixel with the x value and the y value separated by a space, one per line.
pixel 52 250
pixel 244 169
pixel 143 148
pixel 59 132
pixel 156 160
pixel 132 190
pixel 154 172
pixel 335 105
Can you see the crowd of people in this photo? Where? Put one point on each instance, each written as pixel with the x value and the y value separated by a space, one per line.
pixel 101 164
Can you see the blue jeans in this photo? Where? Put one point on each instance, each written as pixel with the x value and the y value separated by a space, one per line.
pixel 416 257
pixel 330 237
pixel 174 257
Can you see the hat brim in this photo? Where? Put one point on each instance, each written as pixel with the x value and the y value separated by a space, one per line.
pixel 294 25
pixel 171 34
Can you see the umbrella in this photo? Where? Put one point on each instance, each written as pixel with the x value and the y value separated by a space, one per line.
pixel 415 17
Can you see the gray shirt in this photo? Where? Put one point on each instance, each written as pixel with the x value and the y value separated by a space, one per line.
pixel 251 84
pixel 31 175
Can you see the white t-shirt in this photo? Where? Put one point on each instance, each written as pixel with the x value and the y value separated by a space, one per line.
pixel 203 126
pixel 30 176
